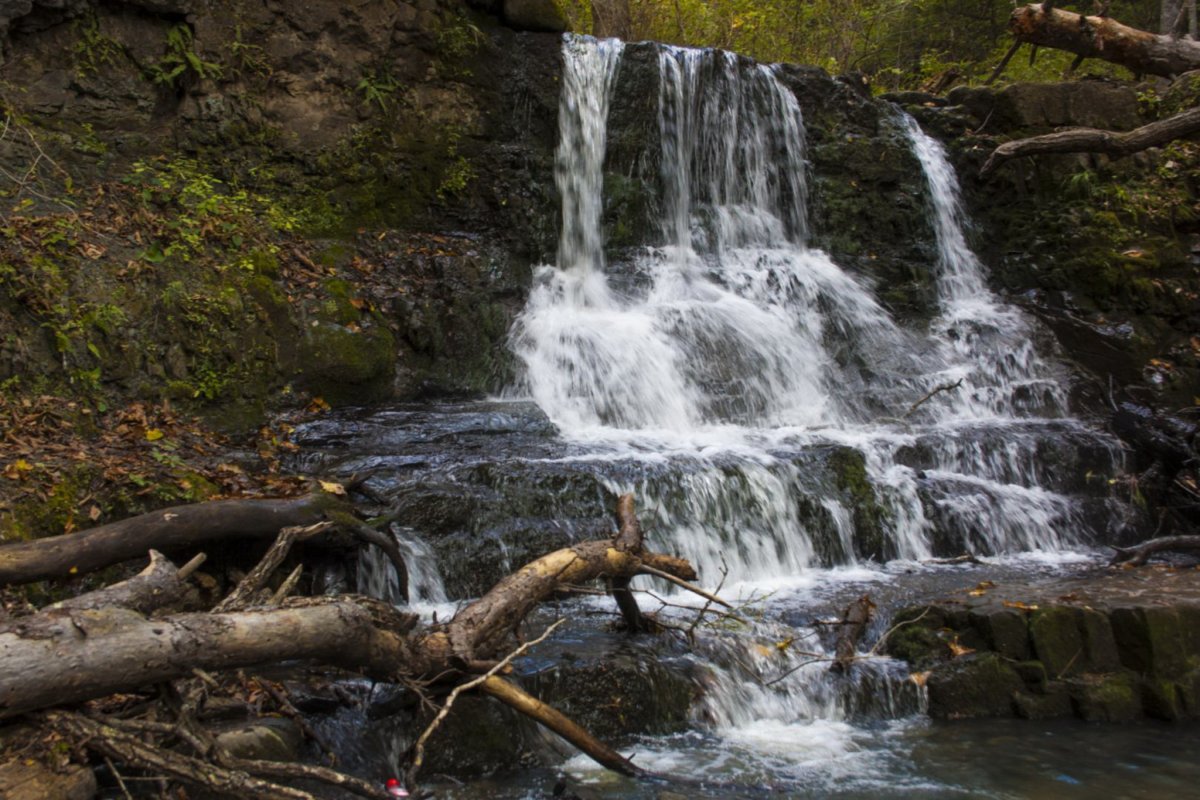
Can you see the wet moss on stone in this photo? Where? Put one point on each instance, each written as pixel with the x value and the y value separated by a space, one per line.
pixel 971 688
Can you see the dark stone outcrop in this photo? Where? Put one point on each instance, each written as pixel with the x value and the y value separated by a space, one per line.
pixel 1116 654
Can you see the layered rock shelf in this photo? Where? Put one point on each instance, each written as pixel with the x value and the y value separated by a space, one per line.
pixel 1101 647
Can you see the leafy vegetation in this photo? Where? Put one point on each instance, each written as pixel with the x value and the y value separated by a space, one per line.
pixel 181 59
pixel 897 43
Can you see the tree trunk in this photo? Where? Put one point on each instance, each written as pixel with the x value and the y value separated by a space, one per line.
pixel 165 530
pixel 853 625
pixel 62 657
pixel 159 586
pixel 1093 140
pixel 1104 38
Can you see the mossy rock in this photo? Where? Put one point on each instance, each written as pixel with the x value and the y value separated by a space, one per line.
pixel 1188 691
pixel 1057 640
pixel 1110 697
pixel 1152 641
pixel 1004 630
pixel 973 688
pixel 348 367
pixel 1099 644
pixel 1054 703
pixel 1162 699
pixel 1034 675
pixel 624 693
pixel 477 738
pixel 849 468
pixel 920 646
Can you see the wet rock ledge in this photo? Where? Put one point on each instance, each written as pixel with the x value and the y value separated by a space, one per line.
pixel 1104 648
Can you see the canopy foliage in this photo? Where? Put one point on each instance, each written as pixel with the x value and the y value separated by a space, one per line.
pixel 896 43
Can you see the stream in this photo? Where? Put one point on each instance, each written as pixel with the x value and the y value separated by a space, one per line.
pixel 784 431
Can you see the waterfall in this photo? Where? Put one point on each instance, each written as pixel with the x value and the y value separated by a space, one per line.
pixel 750 386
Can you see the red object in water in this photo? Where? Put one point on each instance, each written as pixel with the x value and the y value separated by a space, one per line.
pixel 394 788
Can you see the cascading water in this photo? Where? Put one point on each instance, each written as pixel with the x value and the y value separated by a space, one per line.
pixel 730 347
pixel 777 424
pixel 724 355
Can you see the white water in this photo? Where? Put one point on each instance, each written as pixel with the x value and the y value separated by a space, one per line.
pixel 738 346
pixel 723 356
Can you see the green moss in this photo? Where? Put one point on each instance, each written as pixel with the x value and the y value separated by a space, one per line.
pixel 60 511
pixel 1161 699
pixel 347 367
pixel 1057 641
pixel 334 255
pixel 1112 697
pixel 338 307
pixel 921 647
pixel 966 689
pixel 849 469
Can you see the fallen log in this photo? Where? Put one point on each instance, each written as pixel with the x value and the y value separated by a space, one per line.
pixel 169 529
pixel 68 655
pixel 1139 554
pixel 63 657
pixel 159 586
pixel 1100 37
pixel 483 627
pixel 1092 140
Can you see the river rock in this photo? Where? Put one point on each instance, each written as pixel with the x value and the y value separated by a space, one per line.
pixel 976 687
pixel 20 780
pixel 267 739
pixel 1113 697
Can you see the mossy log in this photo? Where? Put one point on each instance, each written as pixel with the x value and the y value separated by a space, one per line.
pixel 1146 53
pixel 1093 140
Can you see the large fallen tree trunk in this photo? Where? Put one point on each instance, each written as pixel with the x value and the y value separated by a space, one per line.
pixel 1092 140
pixel 69 655
pixel 1101 37
pixel 169 529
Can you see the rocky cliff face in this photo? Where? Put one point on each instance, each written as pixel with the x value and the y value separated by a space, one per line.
pixel 242 205
pixel 220 202
pixel 1104 252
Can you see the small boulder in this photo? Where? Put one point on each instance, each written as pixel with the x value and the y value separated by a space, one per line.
pixel 969 689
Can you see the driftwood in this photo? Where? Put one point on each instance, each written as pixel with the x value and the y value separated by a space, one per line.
pixel 63 657
pixel 1041 24
pixel 1139 554
pixel 1092 140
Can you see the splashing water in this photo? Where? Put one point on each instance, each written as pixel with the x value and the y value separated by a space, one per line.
pixel 750 389
pixel 730 348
